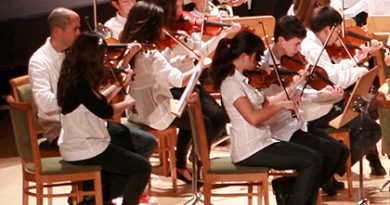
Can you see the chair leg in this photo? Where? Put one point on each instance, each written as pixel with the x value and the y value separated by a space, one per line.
pixel 265 189
pixel 39 194
pixel 250 194
pixel 259 194
pixel 172 161
pixel 207 193
pixel 98 189
pixel 24 192
pixel 319 197
pixel 50 195
pixel 163 155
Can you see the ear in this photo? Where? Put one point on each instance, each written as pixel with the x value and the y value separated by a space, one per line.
pixel 281 39
pixel 115 5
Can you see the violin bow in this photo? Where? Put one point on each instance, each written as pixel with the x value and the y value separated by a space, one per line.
pixel 293 114
pixel 312 71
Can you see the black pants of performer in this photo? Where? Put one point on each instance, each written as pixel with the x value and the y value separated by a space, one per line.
pixel 276 8
pixel 214 116
pixel 370 133
pixel 334 152
pixel 124 172
pixel 286 155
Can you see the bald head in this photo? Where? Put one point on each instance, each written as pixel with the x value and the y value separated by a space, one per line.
pixel 60 18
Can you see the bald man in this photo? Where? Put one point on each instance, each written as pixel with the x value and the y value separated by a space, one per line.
pixel 44 69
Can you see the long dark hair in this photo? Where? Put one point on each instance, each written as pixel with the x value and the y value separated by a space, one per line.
pixel 83 60
pixel 143 24
pixel 169 7
pixel 230 49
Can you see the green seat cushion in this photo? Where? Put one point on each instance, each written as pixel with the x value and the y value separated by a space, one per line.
pixel 224 165
pixel 56 165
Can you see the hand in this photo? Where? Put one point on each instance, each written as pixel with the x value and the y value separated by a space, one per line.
pixel 132 49
pixel 235 27
pixel 235 3
pixel 289 105
pixel 130 102
pixel 335 91
pixel 298 79
pixel 127 76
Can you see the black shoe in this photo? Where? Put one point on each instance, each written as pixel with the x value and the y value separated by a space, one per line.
pixel 375 164
pixel 329 187
pixel 283 189
pixel 183 178
pixel 339 185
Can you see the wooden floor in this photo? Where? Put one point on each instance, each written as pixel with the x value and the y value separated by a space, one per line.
pixel 11 194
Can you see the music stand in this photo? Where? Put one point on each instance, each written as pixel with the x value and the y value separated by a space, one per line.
pixel 357 104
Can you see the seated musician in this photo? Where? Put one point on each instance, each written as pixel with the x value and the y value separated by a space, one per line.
pixel 253 139
pixel 344 74
pixel 179 57
pixel 117 22
pixel 289 33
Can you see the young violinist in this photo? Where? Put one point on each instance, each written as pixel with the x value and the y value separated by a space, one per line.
pixel 344 74
pixel 289 33
pixel 154 77
pixel 253 138
pixel 84 138
pixel 117 22
pixel 215 116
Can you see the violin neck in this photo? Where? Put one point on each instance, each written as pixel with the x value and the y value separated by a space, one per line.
pixel 213 23
pixel 117 45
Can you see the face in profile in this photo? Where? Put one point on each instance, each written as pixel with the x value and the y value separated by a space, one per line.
pixel 123 6
pixel 71 31
pixel 292 46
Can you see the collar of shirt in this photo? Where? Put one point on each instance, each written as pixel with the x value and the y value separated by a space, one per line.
pixel 120 19
pixel 238 75
pixel 311 36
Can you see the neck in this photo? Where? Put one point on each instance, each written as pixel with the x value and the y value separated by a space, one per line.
pixel 201 7
pixel 239 66
pixel 57 45
pixel 277 50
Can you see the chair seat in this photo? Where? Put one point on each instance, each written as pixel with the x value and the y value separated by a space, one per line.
pixel 224 165
pixel 56 165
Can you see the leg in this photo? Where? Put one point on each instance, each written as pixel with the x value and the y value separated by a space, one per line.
pixel 286 155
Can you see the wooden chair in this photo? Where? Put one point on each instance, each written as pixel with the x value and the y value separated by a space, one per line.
pixel 21 92
pixel 343 136
pixel 222 169
pixel 166 148
pixel 47 172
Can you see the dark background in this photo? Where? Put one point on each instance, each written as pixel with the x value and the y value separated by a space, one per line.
pixel 23 29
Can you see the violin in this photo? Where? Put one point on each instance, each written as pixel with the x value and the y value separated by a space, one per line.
pixel 354 37
pixel 318 80
pixel 264 78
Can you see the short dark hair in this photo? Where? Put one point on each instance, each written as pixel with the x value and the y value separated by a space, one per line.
pixel 324 17
pixel 289 27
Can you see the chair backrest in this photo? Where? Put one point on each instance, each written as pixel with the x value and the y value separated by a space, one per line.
pixel 379 27
pixel 199 136
pixel 25 133
pixel 22 92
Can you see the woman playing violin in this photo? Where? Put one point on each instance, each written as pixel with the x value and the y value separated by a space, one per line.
pixel 289 33
pixel 344 74
pixel 215 115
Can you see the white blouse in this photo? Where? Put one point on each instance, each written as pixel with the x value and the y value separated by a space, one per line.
pixel 246 138
pixel 151 89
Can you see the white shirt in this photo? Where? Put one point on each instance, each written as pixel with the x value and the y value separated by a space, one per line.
pixel 246 138
pixel 116 24
pixel 84 135
pixel 44 70
pixel 343 74
pixel 151 89
pixel 372 7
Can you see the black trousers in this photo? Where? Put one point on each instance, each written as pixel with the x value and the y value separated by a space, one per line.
pixel 334 152
pixel 214 116
pixel 287 155
pixel 361 127
pixel 276 8
pixel 124 172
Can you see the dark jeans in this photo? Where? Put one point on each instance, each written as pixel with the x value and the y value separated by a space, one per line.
pixel 334 152
pixel 365 128
pixel 124 172
pixel 286 155
pixel 214 116
pixel 141 142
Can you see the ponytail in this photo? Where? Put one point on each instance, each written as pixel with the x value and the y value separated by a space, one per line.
pixel 222 64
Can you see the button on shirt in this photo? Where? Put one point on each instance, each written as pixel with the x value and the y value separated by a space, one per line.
pixel 44 70
pixel 246 138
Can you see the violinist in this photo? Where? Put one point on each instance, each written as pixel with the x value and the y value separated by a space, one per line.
pixel 44 68
pixel 344 74
pixel 253 138
pixel 85 139
pixel 289 33
pixel 215 115
pixel 116 23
